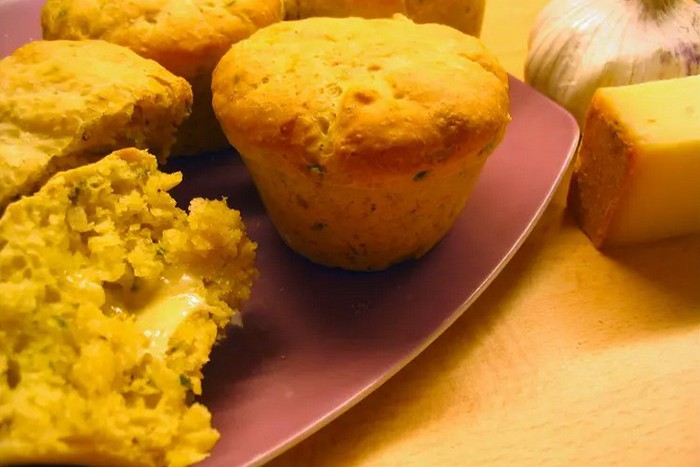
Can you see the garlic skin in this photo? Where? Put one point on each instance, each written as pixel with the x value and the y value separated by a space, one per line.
pixel 577 46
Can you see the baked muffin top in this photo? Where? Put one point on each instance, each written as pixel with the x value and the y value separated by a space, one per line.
pixel 465 15
pixel 299 9
pixel 186 37
pixel 356 95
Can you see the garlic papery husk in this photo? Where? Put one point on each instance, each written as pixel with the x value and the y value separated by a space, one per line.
pixel 577 46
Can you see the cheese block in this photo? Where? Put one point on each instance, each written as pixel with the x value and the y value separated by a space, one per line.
pixel 637 176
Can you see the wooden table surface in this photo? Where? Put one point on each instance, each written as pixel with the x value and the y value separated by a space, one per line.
pixel 571 357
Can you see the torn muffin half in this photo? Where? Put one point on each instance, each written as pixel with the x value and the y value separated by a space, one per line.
pixel 112 298
pixel 68 103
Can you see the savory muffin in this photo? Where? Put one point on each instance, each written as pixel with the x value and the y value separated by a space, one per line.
pixel 187 38
pixel 464 15
pixel 112 298
pixel 66 103
pixel 364 136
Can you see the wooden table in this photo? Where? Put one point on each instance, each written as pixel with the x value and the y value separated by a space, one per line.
pixel 571 357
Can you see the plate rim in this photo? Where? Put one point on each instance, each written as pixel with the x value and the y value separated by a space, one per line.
pixel 318 424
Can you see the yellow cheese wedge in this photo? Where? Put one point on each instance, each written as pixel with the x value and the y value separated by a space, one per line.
pixel 637 176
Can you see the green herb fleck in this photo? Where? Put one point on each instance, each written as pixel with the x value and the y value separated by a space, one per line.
pixel 60 321
pixel 488 148
pixel 74 194
pixel 160 251
pixel 316 169
pixel 76 191
pixel 185 382
pixel 420 175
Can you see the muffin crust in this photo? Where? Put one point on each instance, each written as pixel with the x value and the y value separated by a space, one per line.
pixel 187 38
pixel 363 136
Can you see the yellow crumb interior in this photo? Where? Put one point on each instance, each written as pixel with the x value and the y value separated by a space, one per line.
pixel 112 300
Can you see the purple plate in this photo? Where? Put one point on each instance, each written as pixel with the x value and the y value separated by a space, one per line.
pixel 315 341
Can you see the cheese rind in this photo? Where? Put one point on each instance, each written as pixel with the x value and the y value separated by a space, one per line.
pixel 637 176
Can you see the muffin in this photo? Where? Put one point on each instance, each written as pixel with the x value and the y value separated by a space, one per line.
pixel 364 137
pixel 66 103
pixel 112 298
pixel 187 38
pixel 464 15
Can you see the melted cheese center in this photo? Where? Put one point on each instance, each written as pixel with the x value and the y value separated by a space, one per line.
pixel 166 309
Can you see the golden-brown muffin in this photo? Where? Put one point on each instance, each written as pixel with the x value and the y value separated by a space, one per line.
pixel 66 103
pixel 112 298
pixel 186 37
pixel 364 137
pixel 465 15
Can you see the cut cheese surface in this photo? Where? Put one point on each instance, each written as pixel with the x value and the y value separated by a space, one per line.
pixel 659 115
pixel 637 177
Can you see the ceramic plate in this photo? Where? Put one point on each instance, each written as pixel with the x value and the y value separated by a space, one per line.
pixel 315 340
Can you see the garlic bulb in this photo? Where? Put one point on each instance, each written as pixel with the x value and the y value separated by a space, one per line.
pixel 577 46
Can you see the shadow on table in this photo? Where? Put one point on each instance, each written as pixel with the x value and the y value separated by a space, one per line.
pixel 672 264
